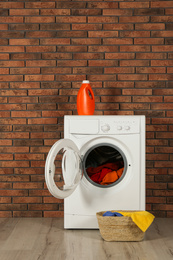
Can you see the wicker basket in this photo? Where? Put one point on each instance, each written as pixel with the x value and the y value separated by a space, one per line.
pixel 118 228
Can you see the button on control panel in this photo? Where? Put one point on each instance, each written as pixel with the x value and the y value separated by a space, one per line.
pixel 119 127
pixel 127 127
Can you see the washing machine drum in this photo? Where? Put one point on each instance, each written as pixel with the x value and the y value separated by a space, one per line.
pixel 103 165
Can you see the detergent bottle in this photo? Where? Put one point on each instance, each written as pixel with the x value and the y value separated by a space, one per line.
pixel 85 99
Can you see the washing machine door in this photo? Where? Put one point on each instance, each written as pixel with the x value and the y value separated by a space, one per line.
pixel 65 155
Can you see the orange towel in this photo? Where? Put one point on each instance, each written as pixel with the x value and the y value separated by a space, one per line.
pixel 110 178
pixel 120 171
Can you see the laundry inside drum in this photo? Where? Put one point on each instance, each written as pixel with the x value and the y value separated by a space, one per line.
pixel 105 165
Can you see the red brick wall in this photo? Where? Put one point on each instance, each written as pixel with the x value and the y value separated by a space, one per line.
pixel 46 49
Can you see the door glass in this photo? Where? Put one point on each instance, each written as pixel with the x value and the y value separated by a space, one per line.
pixel 105 165
pixel 67 165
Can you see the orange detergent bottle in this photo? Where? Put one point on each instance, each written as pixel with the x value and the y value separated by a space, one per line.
pixel 85 99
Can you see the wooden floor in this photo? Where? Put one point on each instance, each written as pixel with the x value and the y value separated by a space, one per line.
pixel 45 238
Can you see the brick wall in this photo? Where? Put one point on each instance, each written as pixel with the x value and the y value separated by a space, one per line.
pixel 46 49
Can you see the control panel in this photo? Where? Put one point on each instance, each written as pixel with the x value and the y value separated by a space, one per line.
pixel 102 125
pixel 118 126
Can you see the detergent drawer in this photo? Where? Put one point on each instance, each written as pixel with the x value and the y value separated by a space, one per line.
pixel 87 127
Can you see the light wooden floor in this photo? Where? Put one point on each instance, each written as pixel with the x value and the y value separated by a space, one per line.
pixel 45 238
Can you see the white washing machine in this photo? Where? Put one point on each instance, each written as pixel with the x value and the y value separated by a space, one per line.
pixel 91 142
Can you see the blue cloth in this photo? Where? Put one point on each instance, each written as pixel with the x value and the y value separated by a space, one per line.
pixel 112 214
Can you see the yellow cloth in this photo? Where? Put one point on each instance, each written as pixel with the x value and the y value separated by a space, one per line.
pixel 142 219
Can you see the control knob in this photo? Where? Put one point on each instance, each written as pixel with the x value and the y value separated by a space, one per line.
pixel 127 127
pixel 105 128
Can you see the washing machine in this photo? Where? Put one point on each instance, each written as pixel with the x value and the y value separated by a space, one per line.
pixel 91 146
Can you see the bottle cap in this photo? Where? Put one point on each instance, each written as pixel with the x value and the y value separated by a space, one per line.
pixel 86 81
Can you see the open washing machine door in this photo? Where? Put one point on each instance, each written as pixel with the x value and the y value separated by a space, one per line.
pixel 66 152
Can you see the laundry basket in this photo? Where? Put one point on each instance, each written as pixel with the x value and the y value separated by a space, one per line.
pixel 118 228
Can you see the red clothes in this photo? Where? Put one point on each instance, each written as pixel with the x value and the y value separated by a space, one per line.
pixel 112 166
pixel 97 177
pixel 105 176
